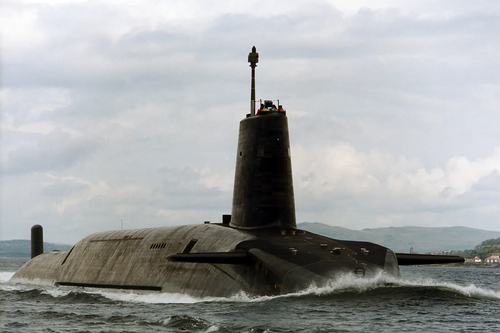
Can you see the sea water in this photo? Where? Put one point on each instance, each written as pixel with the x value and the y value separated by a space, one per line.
pixel 424 299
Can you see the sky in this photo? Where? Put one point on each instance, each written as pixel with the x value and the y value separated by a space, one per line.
pixel 127 112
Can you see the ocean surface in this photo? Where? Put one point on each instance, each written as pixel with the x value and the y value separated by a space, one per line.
pixel 424 299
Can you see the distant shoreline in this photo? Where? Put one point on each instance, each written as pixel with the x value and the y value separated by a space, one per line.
pixel 15 255
pixel 21 248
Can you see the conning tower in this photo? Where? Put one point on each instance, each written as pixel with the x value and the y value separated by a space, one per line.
pixel 263 186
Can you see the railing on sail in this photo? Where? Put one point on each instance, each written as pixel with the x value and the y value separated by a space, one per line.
pixel 267 106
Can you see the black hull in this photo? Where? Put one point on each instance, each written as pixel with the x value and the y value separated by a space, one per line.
pixel 270 262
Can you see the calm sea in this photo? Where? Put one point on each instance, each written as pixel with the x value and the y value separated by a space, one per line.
pixel 424 299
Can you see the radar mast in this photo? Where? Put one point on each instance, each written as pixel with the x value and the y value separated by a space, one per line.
pixel 253 59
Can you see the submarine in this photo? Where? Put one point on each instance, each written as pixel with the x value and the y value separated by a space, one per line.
pixel 258 249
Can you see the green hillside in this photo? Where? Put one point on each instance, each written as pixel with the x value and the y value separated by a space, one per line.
pixel 401 239
pixel 483 250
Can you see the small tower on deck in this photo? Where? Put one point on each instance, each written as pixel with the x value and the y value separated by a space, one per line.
pixel 263 186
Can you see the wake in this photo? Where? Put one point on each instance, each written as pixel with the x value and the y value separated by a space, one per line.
pixel 346 284
pixel 352 284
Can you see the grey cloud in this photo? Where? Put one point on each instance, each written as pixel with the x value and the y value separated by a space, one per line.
pixel 484 193
pixel 146 97
pixel 183 190
pixel 54 152
pixel 63 188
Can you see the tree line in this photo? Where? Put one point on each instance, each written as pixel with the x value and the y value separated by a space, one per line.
pixel 483 250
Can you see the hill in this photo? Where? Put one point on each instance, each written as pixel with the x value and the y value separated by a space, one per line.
pixel 483 250
pixel 22 247
pixel 401 239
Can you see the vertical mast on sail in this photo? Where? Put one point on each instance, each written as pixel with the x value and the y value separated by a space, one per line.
pixel 253 59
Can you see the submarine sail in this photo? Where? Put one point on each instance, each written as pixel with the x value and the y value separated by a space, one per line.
pixel 257 250
pixel 263 187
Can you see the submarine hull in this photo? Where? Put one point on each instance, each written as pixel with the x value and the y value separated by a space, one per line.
pixel 168 260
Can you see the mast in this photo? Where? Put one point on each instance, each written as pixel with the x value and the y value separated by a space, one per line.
pixel 253 59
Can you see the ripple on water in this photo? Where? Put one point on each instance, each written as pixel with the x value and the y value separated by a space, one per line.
pixel 379 304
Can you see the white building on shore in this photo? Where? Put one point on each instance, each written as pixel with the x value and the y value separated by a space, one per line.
pixel 494 258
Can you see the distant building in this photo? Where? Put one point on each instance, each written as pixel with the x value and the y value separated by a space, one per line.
pixel 494 258
pixel 476 259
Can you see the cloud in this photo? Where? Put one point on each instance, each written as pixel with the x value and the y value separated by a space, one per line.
pixel 54 151
pixel 341 168
pixel 188 188
pixel 130 111
pixel 388 190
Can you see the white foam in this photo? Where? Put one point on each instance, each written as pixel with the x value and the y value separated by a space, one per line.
pixel 157 298
pixel 5 276
pixel 7 285
pixel 351 283
pixel 213 328
pixel 470 290
pixel 346 283
pixel 56 292
pixel 10 287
